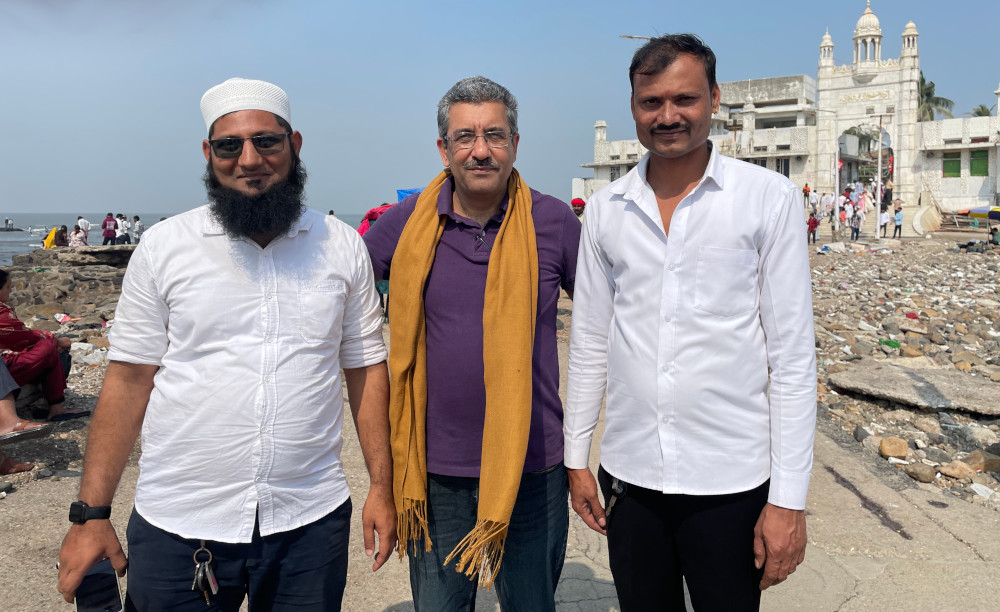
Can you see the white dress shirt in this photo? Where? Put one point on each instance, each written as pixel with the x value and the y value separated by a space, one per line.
pixel 245 417
pixel 681 332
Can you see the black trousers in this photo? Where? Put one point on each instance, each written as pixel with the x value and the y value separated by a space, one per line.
pixel 657 541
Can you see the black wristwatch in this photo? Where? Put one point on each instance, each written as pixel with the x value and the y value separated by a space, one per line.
pixel 80 512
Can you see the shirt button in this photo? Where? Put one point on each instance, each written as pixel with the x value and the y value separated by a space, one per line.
pixel 263 429
pixel 665 369
pixel 268 339
pixel 671 267
pixel 268 296
pixel 666 318
pixel 267 379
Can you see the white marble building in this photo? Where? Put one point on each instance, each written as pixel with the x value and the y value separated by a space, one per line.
pixel 795 124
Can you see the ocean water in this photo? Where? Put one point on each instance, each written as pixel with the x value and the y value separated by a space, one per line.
pixel 36 226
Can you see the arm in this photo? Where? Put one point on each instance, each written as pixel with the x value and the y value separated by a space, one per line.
pixel 786 316
pixel 368 393
pixel 118 418
pixel 593 308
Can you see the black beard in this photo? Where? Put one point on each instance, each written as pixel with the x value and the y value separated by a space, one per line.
pixel 273 210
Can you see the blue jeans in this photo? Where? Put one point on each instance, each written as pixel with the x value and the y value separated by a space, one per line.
pixel 303 570
pixel 533 552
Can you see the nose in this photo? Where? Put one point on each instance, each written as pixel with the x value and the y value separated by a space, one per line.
pixel 668 113
pixel 480 150
pixel 249 157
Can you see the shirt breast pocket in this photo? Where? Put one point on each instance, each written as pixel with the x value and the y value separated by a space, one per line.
pixel 726 282
pixel 321 309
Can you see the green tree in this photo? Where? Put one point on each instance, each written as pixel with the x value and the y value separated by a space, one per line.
pixel 929 104
pixel 982 111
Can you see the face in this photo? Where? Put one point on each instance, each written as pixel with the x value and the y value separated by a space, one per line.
pixel 673 108
pixel 5 290
pixel 251 172
pixel 479 171
pixel 578 209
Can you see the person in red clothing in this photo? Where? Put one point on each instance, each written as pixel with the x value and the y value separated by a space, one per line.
pixel 813 228
pixel 33 356
pixel 109 225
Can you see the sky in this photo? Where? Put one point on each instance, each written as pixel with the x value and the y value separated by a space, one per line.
pixel 100 98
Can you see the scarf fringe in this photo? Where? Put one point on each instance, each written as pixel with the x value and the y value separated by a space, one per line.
pixel 481 551
pixel 411 524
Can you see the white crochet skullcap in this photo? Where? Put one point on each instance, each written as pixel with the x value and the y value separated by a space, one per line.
pixel 244 94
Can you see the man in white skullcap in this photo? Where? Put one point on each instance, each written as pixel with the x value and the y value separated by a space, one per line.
pixel 234 322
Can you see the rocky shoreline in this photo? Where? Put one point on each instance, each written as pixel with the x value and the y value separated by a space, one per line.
pixel 909 359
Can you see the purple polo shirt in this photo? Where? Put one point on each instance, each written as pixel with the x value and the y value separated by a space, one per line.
pixel 453 306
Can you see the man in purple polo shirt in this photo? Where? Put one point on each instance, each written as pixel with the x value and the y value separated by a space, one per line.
pixel 477 128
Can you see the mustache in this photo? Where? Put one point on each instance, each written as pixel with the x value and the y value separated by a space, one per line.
pixel 663 127
pixel 481 163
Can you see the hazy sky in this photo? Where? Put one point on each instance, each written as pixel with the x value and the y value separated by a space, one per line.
pixel 99 98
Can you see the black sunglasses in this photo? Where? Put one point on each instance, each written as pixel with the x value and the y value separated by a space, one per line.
pixel 266 144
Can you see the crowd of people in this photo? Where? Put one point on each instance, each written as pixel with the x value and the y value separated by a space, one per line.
pixel 850 209
pixel 115 229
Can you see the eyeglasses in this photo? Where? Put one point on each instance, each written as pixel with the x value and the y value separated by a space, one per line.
pixel 266 144
pixel 495 139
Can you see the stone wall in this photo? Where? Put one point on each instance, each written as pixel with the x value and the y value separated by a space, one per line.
pixel 83 283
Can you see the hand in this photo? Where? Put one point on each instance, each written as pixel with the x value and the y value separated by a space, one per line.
pixel 779 543
pixel 379 516
pixel 82 548
pixel 64 342
pixel 583 494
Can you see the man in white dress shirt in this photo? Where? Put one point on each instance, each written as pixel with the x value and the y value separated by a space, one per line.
pixel 692 283
pixel 234 322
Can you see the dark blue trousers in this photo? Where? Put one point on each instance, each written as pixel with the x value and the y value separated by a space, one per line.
pixel 534 550
pixel 303 570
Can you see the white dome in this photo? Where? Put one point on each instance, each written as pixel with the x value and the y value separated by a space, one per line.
pixel 868 23
pixel 911 29
pixel 827 39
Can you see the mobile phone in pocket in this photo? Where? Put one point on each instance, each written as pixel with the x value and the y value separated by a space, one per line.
pixel 99 591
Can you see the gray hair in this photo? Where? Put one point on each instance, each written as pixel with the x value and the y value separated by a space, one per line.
pixel 476 90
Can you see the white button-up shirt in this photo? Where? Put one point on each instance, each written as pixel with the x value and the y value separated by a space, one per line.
pixel 681 332
pixel 244 421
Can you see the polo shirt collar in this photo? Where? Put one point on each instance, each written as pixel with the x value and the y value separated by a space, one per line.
pixel 446 203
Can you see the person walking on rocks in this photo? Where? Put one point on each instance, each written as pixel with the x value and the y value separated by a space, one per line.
pixel 121 232
pixel 109 227
pixel 138 227
pixel 856 220
pixel 234 322
pixel 898 218
pixel 84 227
pixel 681 310
pixel 812 228
pixel 475 264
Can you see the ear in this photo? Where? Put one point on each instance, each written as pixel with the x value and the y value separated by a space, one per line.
pixel 443 150
pixel 513 148
pixel 631 104
pixel 206 148
pixel 716 98
pixel 296 139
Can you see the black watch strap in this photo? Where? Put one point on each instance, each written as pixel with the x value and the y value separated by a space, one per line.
pixel 80 513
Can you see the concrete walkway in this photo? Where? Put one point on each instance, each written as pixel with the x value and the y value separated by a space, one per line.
pixel 877 541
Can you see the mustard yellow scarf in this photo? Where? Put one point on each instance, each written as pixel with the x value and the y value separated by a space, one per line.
pixel 511 300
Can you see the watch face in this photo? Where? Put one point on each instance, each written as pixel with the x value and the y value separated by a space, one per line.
pixel 76 512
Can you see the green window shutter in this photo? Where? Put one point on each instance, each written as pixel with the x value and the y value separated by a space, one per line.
pixel 979 163
pixel 952 164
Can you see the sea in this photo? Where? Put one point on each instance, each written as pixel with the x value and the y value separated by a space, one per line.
pixel 34 227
